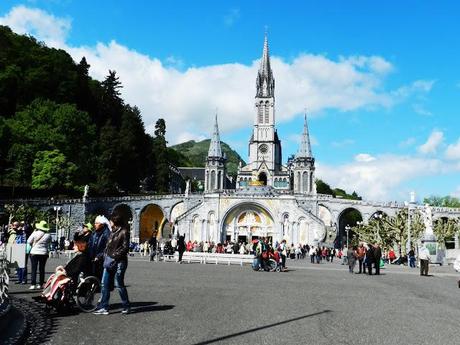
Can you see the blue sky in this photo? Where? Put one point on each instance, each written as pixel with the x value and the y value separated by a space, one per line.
pixel 381 82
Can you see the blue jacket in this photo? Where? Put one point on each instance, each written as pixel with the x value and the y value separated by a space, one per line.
pixel 20 238
pixel 97 243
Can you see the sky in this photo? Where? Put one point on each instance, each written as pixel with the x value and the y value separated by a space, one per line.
pixel 380 81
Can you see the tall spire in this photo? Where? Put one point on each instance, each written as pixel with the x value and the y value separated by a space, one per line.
pixel 265 81
pixel 215 149
pixel 305 147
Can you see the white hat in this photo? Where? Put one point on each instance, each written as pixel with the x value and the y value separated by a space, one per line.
pixel 103 220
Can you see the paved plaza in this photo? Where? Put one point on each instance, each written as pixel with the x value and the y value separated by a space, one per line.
pixel 310 304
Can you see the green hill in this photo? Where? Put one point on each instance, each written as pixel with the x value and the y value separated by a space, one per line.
pixel 194 154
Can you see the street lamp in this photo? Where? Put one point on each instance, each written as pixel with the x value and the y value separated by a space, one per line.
pixel 57 209
pixel 347 229
pixel 378 217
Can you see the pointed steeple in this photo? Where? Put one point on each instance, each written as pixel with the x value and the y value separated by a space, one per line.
pixel 265 81
pixel 215 149
pixel 305 146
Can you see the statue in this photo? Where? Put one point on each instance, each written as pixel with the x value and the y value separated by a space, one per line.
pixel 85 193
pixel 187 187
pixel 428 220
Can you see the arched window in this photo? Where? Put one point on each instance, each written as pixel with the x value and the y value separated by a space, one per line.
pixel 260 110
pixel 298 182
pixel 213 180
pixel 305 182
pixel 219 180
pixel 267 109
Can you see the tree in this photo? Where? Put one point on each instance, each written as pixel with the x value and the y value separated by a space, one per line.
pixel 444 201
pixel 391 231
pixel 111 102
pixel 323 188
pixel 45 126
pixel 52 171
pixel 161 176
pixel 444 229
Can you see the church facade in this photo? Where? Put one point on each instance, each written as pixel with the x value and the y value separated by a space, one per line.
pixel 271 199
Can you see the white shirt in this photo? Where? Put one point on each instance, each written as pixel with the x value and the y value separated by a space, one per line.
pixel 42 241
pixel 423 253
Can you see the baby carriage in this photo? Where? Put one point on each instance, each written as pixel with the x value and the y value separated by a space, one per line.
pixel 62 293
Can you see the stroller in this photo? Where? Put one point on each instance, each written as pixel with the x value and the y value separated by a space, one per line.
pixel 62 293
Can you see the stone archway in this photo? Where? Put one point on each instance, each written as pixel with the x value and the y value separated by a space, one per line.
pixel 152 220
pixel 347 217
pixel 262 178
pixel 246 221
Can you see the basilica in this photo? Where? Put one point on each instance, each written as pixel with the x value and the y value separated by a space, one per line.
pixel 271 199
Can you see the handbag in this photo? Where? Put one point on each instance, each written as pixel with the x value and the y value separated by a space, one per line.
pixel 109 263
pixel 28 248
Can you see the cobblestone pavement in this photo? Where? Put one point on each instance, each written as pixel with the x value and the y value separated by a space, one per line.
pixel 317 304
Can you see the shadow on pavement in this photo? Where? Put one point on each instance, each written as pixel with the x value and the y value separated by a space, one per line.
pixel 225 337
pixel 142 307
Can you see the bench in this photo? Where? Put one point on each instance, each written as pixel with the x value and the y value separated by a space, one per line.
pixel 204 258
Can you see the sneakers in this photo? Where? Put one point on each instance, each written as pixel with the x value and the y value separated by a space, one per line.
pixel 32 287
pixel 126 311
pixel 101 311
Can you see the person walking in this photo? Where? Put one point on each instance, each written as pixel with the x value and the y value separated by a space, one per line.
pixel 412 258
pixel 424 256
pixel 96 246
pixel 370 258
pixel 181 247
pixel 361 252
pixel 21 271
pixel 283 251
pixel 153 247
pixel 377 258
pixel 115 265
pixel 39 241
pixel 351 253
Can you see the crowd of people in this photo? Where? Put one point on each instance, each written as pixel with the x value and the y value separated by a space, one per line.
pixel 101 251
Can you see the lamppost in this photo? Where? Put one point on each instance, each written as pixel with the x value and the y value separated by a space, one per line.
pixel 347 229
pixel 378 217
pixel 409 204
pixel 57 209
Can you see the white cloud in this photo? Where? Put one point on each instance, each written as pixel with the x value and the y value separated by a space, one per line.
pixel 186 98
pixel 433 142
pixel 456 193
pixel 408 142
pixel 453 151
pixel 46 27
pixel 364 158
pixel 232 16
pixel 418 86
pixel 381 177
pixel 421 110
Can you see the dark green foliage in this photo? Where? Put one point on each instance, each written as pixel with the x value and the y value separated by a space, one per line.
pixel 47 103
pixel 445 201
pixel 51 171
pixel 323 188
pixel 160 157
pixel 195 153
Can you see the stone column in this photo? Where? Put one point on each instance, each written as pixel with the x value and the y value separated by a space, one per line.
pixel 295 230
pixel 136 223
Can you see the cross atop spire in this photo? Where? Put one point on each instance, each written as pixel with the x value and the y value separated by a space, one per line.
pixel 265 81
pixel 305 147
pixel 215 149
